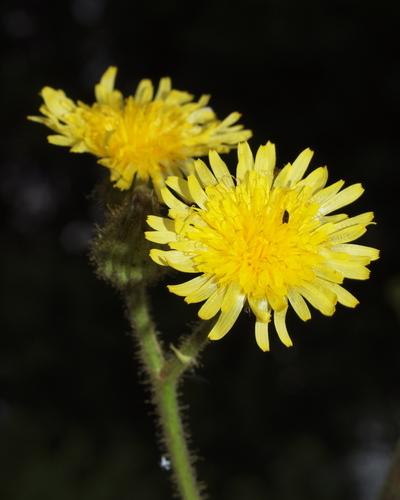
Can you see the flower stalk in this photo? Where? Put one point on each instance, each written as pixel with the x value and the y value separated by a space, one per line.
pixel 120 254
pixel 164 375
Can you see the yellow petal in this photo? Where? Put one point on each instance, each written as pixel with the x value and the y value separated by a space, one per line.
pixel 213 304
pixel 280 325
pixel 104 90
pixel 350 269
pixel 281 180
pixel 328 273
pixel 173 258
pixel 60 140
pixel 144 92
pixel 316 180
pixel 158 256
pixel 231 296
pixel 245 160
pixel 357 250
pixel 321 299
pixel 220 169
pixel 230 119
pixel 201 116
pixel 344 296
pixel 325 194
pixel 180 186
pixel 164 88
pixel 333 218
pixel 172 202
pixel 177 97
pixel 161 237
pixel 299 305
pixel 184 289
pixel 160 223
pixel 202 293
pixel 57 102
pixel 262 337
pixel 79 147
pixel 299 166
pixel 204 100
pixel 362 219
pixel 260 308
pixel 265 160
pixel 227 319
pixel 107 80
pixel 347 234
pixel 342 199
pixel 196 192
pixel 204 174
pixel 277 302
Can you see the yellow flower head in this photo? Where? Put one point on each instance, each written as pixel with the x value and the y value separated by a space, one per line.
pixel 265 237
pixel 145 135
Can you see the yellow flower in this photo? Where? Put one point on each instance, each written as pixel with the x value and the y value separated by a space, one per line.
pixel 145 135
pixel 265 237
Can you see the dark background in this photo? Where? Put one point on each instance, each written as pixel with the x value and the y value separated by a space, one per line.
pixel 315 422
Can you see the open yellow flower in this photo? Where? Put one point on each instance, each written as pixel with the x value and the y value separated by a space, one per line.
pixel 145 135
pixel 265 237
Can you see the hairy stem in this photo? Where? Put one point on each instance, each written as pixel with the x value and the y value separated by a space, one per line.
pixel 175 440
pixel 150 350
pixel 164 377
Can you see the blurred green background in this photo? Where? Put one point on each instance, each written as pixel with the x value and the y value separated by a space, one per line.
pixel 316 422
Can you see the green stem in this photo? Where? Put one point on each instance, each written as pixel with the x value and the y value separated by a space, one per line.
pixel 174 437
pixel 164 377
pixel 149 348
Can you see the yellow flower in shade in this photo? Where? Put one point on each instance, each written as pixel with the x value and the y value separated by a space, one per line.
pixel 266 238
pixel 145 135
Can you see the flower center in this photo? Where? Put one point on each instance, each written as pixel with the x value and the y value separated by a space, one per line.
pixel 267 240
pixel 143 136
